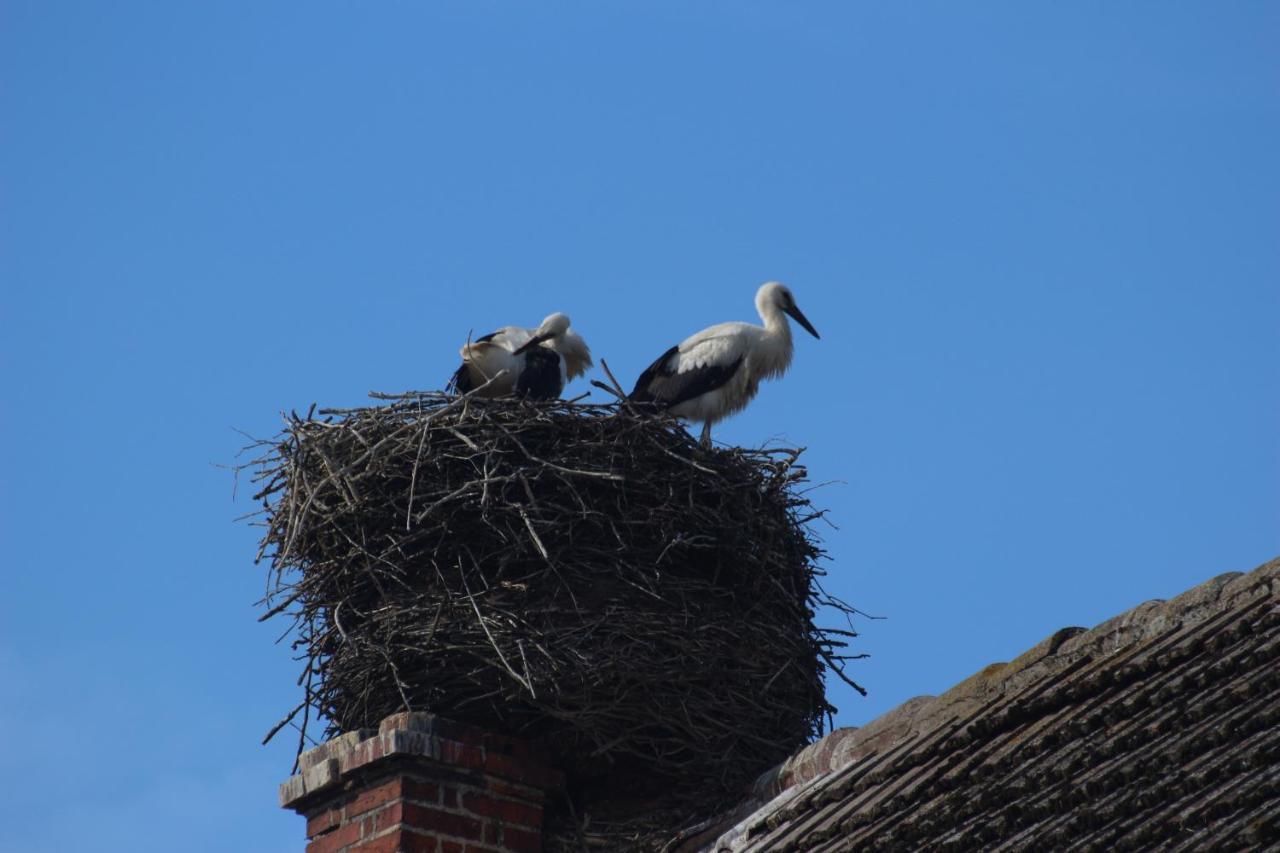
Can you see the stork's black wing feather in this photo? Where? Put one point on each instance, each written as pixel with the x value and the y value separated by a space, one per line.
pixel 692 383
pixel 460 382
pixel 643 392
pixel 662 385
pixel 540 377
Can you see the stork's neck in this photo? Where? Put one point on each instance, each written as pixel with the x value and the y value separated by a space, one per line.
pixel 775 322
pixel 775 344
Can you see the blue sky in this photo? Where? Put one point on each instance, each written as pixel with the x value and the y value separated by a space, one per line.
pixel 1039 241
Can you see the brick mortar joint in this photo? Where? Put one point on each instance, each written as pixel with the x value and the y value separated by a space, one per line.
pixel 399 828
pixel 424 737
pixel 501 823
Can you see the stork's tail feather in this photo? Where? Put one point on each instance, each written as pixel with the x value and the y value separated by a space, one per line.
pixel 460 382
pixel 642 393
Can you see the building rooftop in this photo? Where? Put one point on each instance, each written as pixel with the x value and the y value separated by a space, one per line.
pixel 1161 725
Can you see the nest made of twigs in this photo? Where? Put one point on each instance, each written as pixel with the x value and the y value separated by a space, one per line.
pixel 583 576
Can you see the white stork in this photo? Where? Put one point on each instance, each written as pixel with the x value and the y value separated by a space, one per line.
pixel 716 372
pixel 538 362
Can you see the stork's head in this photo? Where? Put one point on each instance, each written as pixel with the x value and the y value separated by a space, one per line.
pixel 553 327
pixel 776 295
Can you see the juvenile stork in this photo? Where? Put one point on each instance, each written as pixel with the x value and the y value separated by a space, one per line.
pixel 716 372
pixel 538 362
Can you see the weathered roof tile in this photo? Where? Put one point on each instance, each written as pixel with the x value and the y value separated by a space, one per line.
pixel 1159 726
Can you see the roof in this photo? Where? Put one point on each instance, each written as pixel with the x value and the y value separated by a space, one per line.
pixel 1159 725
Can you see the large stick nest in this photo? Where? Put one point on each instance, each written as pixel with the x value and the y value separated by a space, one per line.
pixel 584 576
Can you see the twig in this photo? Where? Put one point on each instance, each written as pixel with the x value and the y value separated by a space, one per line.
pixel 644 587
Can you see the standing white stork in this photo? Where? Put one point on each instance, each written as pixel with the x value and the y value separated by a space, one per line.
pixel 538 362
pixel 716 372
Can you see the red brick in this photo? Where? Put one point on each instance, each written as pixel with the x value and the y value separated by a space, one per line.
pixel 323 822
pixel 507 810
pixel 411 842
pixel 374 798
pixel 493 806
pixel 425 818
pixel 388 818
pixel 336 840
pixel 517 791
pixel 397 721
pixel 522 771
pixel 385 844
pixel 461 755
pixel 521 841
pixel 398 842
pixel 366 753
pixel 424 792
pixel 478 803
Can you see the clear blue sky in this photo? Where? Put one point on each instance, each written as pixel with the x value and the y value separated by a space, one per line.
pixel 1040 241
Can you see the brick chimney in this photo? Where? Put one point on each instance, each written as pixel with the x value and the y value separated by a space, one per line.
pixel 421 783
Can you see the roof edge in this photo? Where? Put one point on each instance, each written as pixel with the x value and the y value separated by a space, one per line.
pixel 922 714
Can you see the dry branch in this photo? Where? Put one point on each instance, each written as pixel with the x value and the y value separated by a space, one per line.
pixel 583 576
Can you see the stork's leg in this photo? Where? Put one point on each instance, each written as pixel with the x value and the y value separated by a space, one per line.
pixel 706 435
